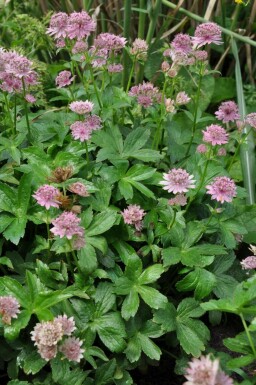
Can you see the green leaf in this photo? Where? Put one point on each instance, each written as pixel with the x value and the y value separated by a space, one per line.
pixel 105 373
pixel 102 222
pixel 87 259
pixel 5 220
pixel 6 261
pixel 149 347
pixel 135 140
pixel 130 305
pixel 18 382
pixel 200 280
pixel 14 288
pixel 143 189
pixel 30 361
pixel 104 298
pixel 59 369
pixel 111 330
pixel 225 89
pixel 125 189
pixel 16 230
pixel 24 194
pixel 133 350
pixel 240 362
pixel 11 332
pixel 151 274
pixel 152 297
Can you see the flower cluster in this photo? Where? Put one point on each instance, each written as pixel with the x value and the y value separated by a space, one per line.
pixel 178 180
pixel 215 135
pixel 16 72
pixel 48 335
pixel 207 33
pixel 228 112
pixel 222 189
pixel 133 215
pixel 106 45
pixel 67 225
pixel 64 79
pixel 203 370
pixel 146 94
pixel 47 196
pixel 139 49
pixel 9 308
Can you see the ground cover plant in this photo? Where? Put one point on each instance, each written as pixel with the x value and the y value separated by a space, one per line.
pixel 127 206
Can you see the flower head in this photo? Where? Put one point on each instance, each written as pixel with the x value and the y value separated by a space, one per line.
pixel 58 25
pixel 47 352
pixel 182 98
pixel 67 324
pixel 67 225
pixel 64 79
pixel 30 98
pixel 202 371
pixel 71 348
pixel 249 263
pixel 228 112
pixel 139 49
pixel 9 308
pixel 80 25
pixel 146 94
pixel 182 43
pixel 115 68
pixel 207 33
pixel 178 181
pixel 47 196
pixel 79 189
pixel 223 379
pixel 215 134
pixel 178 200
pixel 222 189
pixel 109 41
pixel 251 119
pixel 79 47
pixel 80 131
pixel 133 215
pixel 81 107
pixel 47 333
pixel 170 105
pixel 201 149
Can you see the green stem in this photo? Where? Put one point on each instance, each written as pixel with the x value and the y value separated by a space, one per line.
pixel 69 263
pixel 130 76
pixel 196 109
pixel 152 24
pixel 126 33
pixel 142 19
pixel 158 135
pixel 240 143
pixel 87 153
pixel 193 16
pixel 15 114
pixel 173 221
pixel 9 112
pixel 95 86
pixel 26 109
pixel 248 334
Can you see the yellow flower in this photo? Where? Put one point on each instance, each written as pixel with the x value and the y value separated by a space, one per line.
pixel 239 1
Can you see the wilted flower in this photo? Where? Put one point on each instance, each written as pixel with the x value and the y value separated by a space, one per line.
pixel 170 105
pixel 61 174
pixel 178 181
pixel 81 107
pixel 182 98
pixel 165 66
pixel 228 112
pixel 67 225
pixel 207 33
pixel 202 371
pixel 9 308
pixel 215 134
pixel 79 189
pixel 133 215
pixel 67 324
pixel 251 119
pixel 71 348
pixel 222 189
pixel 178 200
pixel 64 79
pixel 47 196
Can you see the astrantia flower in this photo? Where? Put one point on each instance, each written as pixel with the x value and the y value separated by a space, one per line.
pixel 182 42
pixel 79 47
pixel 222 152
pixel 47 352
pixel 202 371
pixel 182 98
pixel 222 189
pixel 146 94
pixel 20 66
pixel 179 199
pixel 67 225
pixel 80 25
pixel 251 119
pixel 47 333
pixel 115 68
pixel 79 189
pixel 133 215
pixel 71 348
pixel 78 242
pixel 80 131
pixel 223 379
pixel 64 79
pixel 68 324
pixel 249 263
pixel 9 308
pixel 178 181
pixel 228 112
pixel 201 149
pixel 47 196
pixel 109 41
pixel 30 98
pixel 58 25
pixel 200 55
pixel 100 57
pixel 93 122
pixel 207 33
pixel 170 105
pixel 81 107
pixel 139 49
pixel 215 134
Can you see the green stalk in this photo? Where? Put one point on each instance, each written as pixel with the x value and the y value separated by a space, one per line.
pixel 152 25
pixel 248 334
pixel 158 134
pixel 142 19
pixel 95 86
pixel 130 76
pixel 9 112
pixel 26 109
pixel 247 148
pixel 193 16
pixel 127 26
pixel 87 154
pixel 15 114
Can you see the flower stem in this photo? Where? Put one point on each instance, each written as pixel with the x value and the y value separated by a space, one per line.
pixel 130 76
pixel 241 141
pixel 158 134
pixel 248 334
pixel 87 154
pixel 95 87
pixel 9 112
pixel 26 109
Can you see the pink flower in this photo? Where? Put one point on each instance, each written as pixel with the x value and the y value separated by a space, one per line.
pixel 68 324
pixel 200 55
pixel 223 379
pixel 47 352
pixel 165 66
pixel 215 134
pixel 178 181
pixel 78 242
pixel 20 66
pixel 112 68
pixel 182 42
pixel 251 119
pixel 71 348
pixel 222 189
pixel 80 25
pixel 178 200
pixel 67 225
pixel 222 152
pixel 58 25
pixel 109 41
pixel 80 131
pixel 133 215
pixel 64 79
pixel 60 43
pixel 9 308
pixel 169 105
pixel 227 112
pixel 79 47
pixel 30 98
pixel 201 149
pixel 182 98
pixel 249 263
pixel 146 94
pixel 139 49
pixel 207 33
pixel 47 333
pixel 47 196
pixel 99 57
pixel 81 108
pixel 93 122
pixel 202 371
pixel 79 189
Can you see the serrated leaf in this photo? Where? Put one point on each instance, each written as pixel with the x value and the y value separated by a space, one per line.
pixel 105 373
pixel 16 230
pixel 200 280
pixel 152 297
pixel 30 361
pixel 87 259
pixel 102 222
pixel 135 140
pixel 149 347
pixel 142 188
pixel 151 274
pixel 166 317
pixel 133 350
pixel 111 330
pixel 130 305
